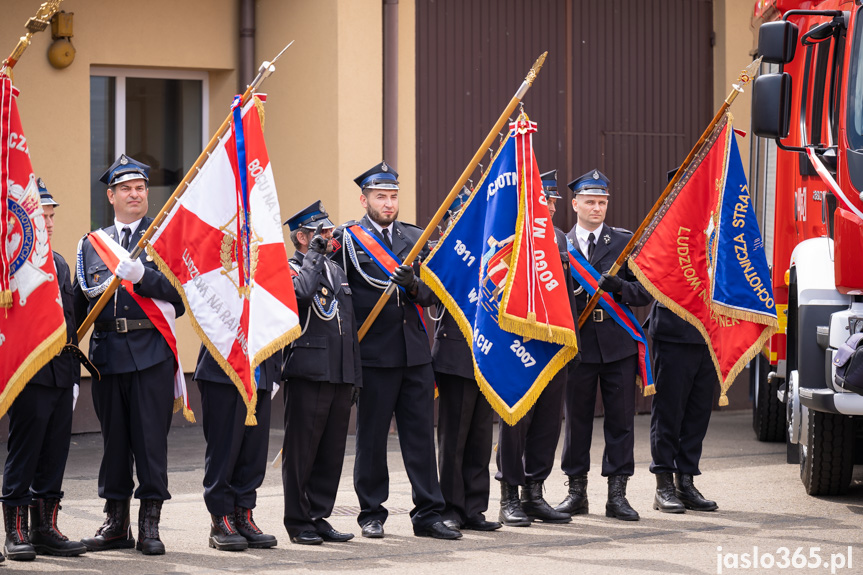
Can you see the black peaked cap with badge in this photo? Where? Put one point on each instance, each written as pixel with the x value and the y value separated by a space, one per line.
pixel 310 218
pixel 549 184
pixel 45 197
pixel 381 176
pixel 593 183
pixel 124 169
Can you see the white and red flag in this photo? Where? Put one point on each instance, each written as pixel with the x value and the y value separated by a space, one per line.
pixel 32 326
pixel 222 245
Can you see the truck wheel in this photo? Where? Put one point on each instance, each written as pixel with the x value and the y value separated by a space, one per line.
pixel 827 461
pixel 768 413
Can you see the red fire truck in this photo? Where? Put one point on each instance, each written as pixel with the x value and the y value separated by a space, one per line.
pixel 807 177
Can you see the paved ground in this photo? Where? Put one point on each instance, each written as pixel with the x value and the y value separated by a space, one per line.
pixel 761 499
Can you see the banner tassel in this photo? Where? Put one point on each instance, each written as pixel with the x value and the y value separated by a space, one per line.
pixel 723 400
pixel 6 298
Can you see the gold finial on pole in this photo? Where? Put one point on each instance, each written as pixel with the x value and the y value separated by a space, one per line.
pixel 37 23
pixel 746 75
pixel 534 70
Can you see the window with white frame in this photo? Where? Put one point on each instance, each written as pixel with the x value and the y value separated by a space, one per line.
pixel 158 117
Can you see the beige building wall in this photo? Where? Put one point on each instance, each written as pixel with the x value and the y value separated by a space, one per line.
pixel 731 55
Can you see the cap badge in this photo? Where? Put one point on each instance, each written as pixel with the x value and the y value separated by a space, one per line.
pixel 124 160
pixel 384 166
pixel 595 175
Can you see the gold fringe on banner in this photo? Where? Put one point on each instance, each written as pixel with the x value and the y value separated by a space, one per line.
pixel 259 106
pixel 37 359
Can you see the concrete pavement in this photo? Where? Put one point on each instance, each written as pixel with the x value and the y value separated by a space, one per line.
pixel 761 504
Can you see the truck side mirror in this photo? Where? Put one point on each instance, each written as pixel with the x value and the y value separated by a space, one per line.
pixel 771 105
pixel 777 41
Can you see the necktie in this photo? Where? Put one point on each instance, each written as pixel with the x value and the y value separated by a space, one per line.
pixel 387 241
pixel 125 241
pixel 591 245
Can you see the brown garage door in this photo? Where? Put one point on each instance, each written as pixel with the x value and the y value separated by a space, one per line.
pixel 627 88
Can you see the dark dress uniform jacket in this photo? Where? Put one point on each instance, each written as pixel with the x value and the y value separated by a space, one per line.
pixel 385 345
pixel 451 352
pixel 64 370
pixel 606 341
pixel 208 369
pixel 136 350
pixel 323 352
pixel 665 325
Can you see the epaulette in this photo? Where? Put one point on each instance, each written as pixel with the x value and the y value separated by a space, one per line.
pixel 621 230
pixel 411 225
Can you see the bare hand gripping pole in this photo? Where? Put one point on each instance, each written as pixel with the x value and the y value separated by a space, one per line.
pixel 264 72
pixel 745 77
pixel 432 225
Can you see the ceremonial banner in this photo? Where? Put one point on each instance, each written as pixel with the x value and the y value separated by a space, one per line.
pixel 32 326
pixel 222 246
pixel 703 257
pixel 497 270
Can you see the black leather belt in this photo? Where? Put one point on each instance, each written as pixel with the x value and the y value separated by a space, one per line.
pixel 599 315
pixel 122 325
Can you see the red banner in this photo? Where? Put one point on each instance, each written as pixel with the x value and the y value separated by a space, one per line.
pixel 535 300
pixel 32 326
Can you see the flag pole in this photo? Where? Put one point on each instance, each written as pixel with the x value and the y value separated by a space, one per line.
pixel 37 23
pixel 746 75
pixel 264 72
pixel 438 216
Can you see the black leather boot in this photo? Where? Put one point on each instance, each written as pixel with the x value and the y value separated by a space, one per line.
pixel 247 528
pixel 149 514
pixel 690 496
pixel 576 501
pixel 18 547
pixel 224 535
pixel 617 506
pixel 44 534
pixel 511 513
pixel 665 500
pixel 535 507
pixel 115 532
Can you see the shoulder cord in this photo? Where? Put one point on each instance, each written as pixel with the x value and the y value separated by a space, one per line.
pixel 93 292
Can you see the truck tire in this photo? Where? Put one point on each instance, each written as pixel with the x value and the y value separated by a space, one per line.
pixel 768 413
pixel 827 462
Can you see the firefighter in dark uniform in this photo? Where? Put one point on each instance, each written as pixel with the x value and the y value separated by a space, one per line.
pixel 525 454
pixel 397 370
pixel 134 399
pixel 322 374
pixel 464 429
pixel 609 356
pixel 40 428
pixel 685 382
pixel 235 460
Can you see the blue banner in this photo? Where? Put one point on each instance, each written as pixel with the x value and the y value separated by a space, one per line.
pixel 740 278
pixel 467 270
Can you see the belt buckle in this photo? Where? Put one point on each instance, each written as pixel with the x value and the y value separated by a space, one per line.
pixel 598 315
pixel 122 326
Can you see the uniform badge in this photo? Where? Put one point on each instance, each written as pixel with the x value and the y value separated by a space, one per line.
pixel 595 175
pixel 96 277
pixel 124 160
pixel 323 302
pixel 607 239
pixel 324 291
pixel 384 167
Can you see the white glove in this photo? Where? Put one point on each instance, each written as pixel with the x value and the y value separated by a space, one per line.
pixel 129 269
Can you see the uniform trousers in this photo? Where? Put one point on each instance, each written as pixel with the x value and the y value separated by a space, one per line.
pixel 316 429
pixel 617 385
pixel 685 380
pixel 526 450
pixel 464 433
pixel 134 411
pixel 407 392
pixel 236 455
pixel 40 427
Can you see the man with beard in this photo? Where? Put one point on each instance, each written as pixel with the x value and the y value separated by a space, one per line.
pixel 396 359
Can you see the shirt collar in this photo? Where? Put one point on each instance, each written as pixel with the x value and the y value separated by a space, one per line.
pixel 133 227
pixel 380 228
pixel 582 233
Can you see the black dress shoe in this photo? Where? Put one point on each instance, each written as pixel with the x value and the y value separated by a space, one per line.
pixel 665 499
pixel 453 524
pixel 437 530
pixel 332 536
pixel 307 538
pixel 481 525
pixel 690 496
pixel 374 529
